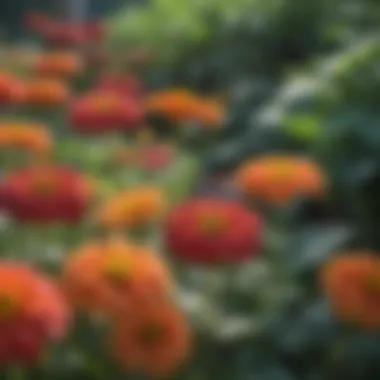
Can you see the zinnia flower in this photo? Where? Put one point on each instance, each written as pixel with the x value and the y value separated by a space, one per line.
pixel 184 106
pixel 32 313
pixel 279 179
pixel 212 231
pixel 36 21
pixel 177 105
pixel 28 136
pixel 352 285
pixel 121 84
pixel 68 34
pixel 46 93
pixel 12 91
pixel 101 112
pixel 114 276
pixel 58 64
pixel 156 157
pixel 154 340
pixel 133 208
pixel 208 112
pixel 46 194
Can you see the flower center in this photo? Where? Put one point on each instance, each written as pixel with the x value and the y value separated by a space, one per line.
pixel 372 284
pixel 212 224
pixel 117 272
pixel 8 306
pixel 103 103
pixel 44 185
pixel 151 334
pixel 282 170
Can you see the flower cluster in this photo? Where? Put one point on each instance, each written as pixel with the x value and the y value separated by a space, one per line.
pixel 124 246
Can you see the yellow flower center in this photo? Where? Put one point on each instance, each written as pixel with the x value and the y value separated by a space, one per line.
pixel 212 224
pixel 283 170
pixel 151 333
pixel 8 306
pixel 117 271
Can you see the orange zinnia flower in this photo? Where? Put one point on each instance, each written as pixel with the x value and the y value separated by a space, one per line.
pixel 46 93
pixel 352 285
pixel 154 340
pixel 12 91
pixel 32 311
pixel 177 104
pixel 58 64
pixel 134 208
pixel 113 276
pixel 182 105
pixel 32 137
pixel 278 179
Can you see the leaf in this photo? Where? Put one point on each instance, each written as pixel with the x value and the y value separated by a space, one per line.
pixel 314 245
pixel 180 181
pixel 275 372
pixel 305 127
pixel 358 358
pixel 313 329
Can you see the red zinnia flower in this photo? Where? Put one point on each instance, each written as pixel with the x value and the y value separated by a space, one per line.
pixel 121 84
pixel 37 22
pixel 156 157
pixel 63 33
pixel 95 30
pixel 213 231
pixel 101 112
pixel 12 91
pixel 46 194
pixel 32 311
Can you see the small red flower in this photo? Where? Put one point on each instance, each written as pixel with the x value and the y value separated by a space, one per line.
pixel 95 30
pixel 37 22
pixel 121 84
pixel 102 112
pixel 65 33
pixel 156 157
pixel 32 312
pixel 46 194
pixel 212 231
pixel 12 91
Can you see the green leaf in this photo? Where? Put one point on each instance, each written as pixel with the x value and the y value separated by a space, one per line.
pixel 312 246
